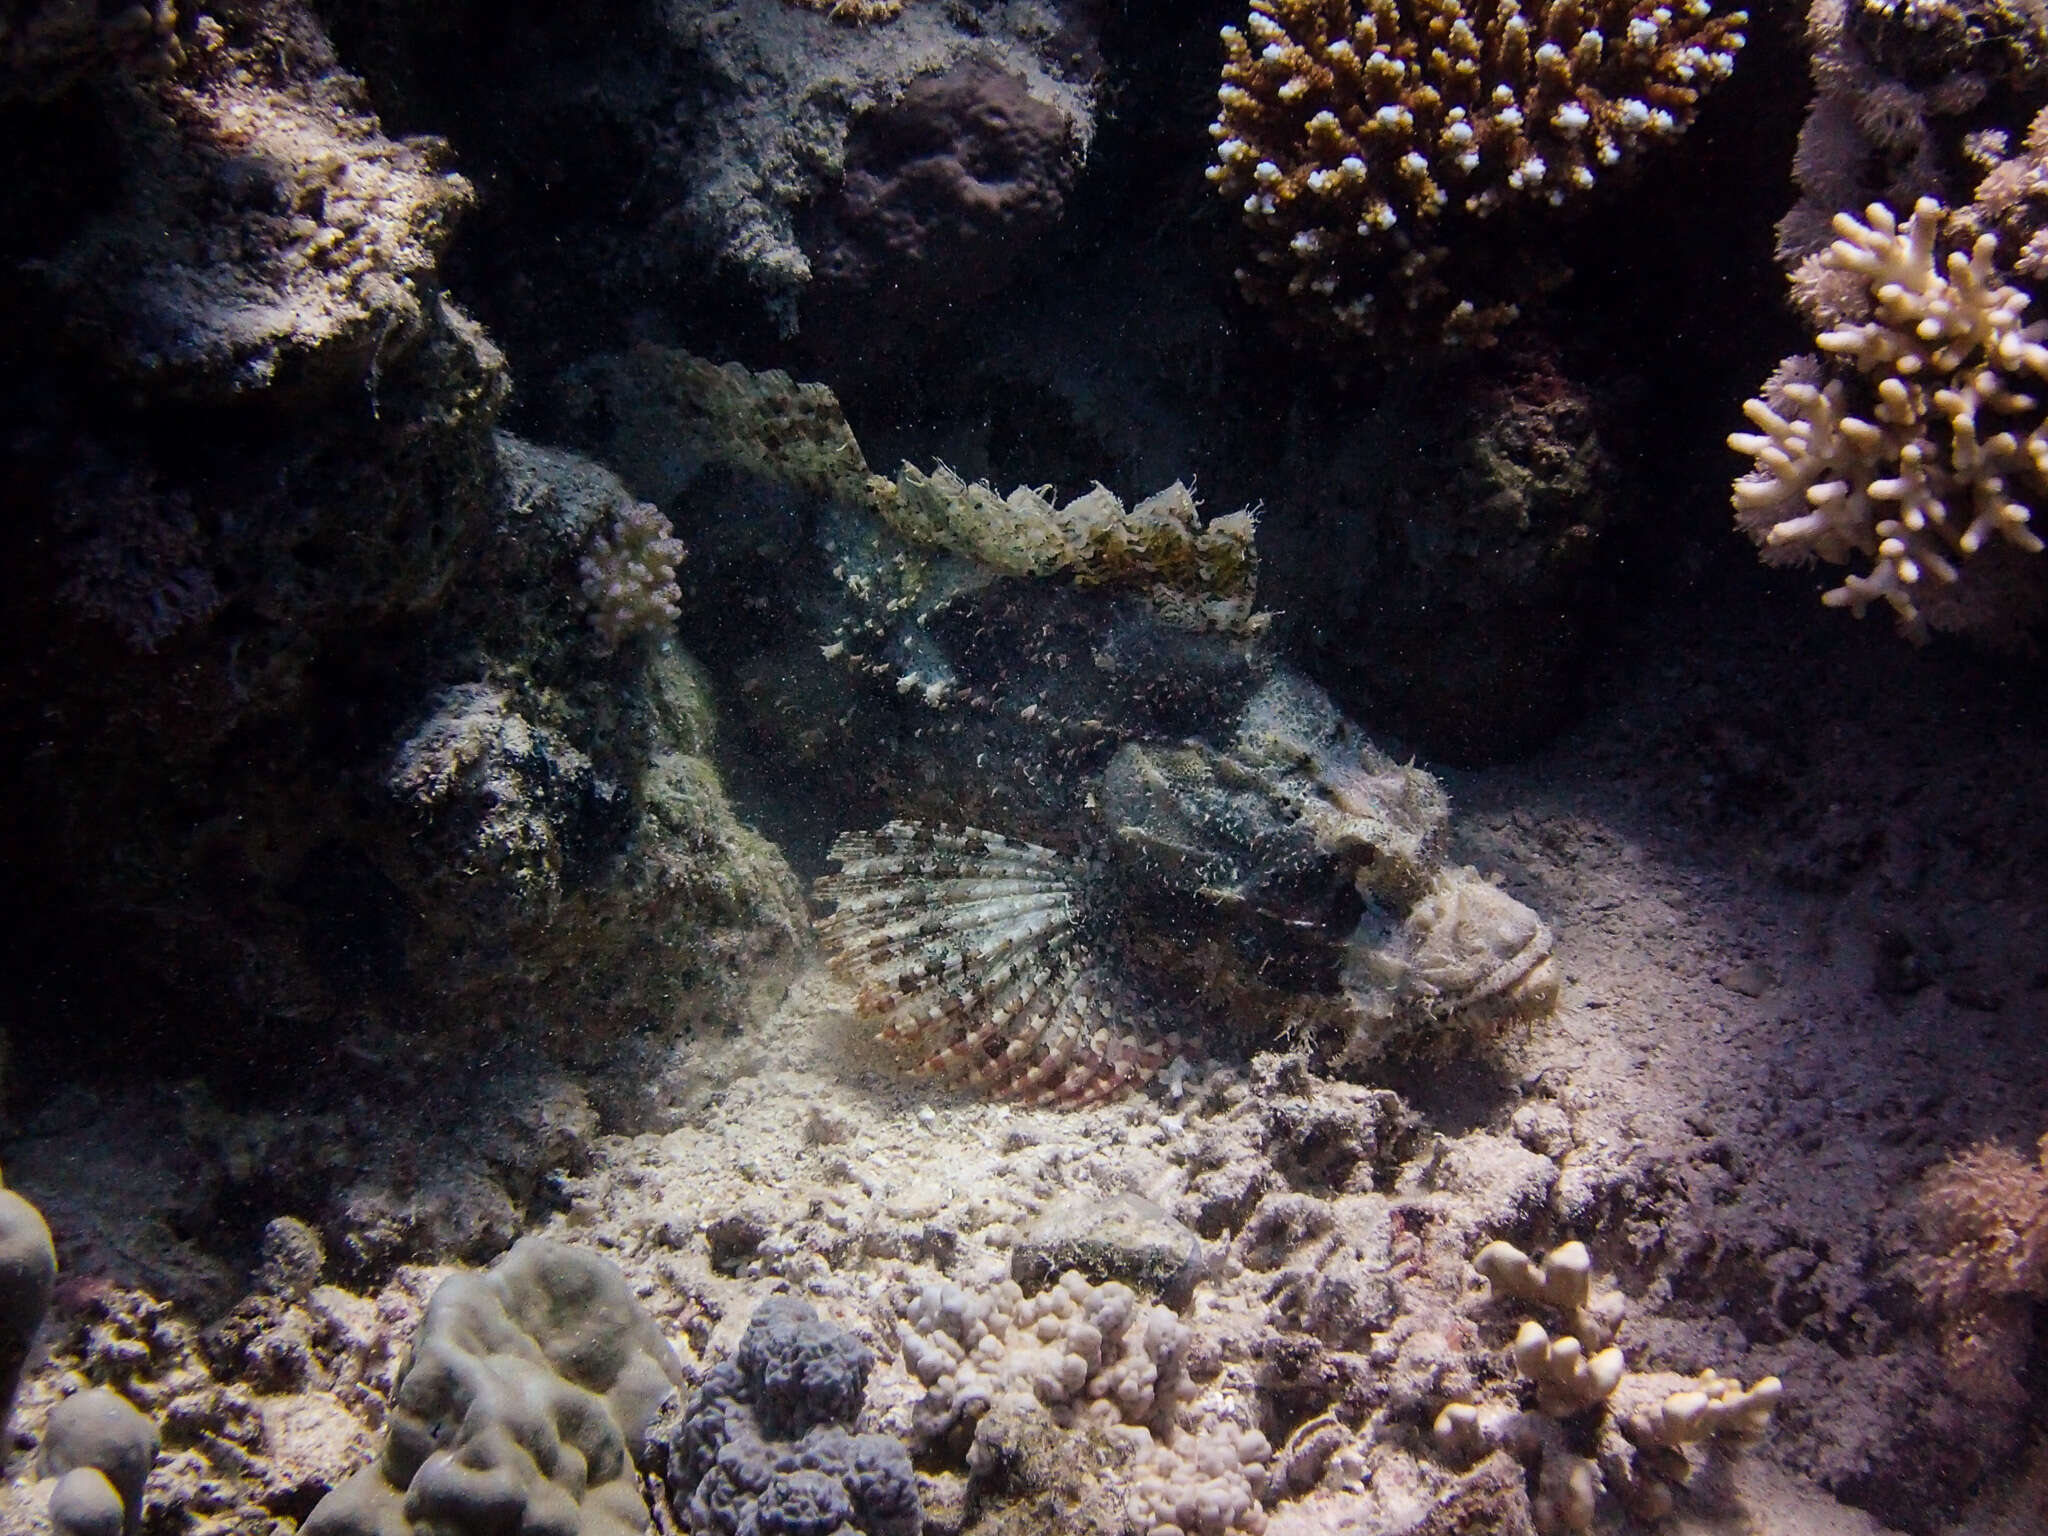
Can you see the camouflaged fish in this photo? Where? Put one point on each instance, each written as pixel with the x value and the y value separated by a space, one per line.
pixel 1115 825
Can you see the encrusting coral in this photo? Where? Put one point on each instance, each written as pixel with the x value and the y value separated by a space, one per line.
pixel 1922 450
pixel 1636 1425
pixel 1986 1215
pixel 1359 138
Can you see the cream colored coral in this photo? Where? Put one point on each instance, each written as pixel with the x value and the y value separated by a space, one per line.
pixel 1941 452
pixel 1712 1408
pixel 1637 1425
pixel 1564 1280
pixel 1204 1481
pixel 1076 1347
pixel 1568 1380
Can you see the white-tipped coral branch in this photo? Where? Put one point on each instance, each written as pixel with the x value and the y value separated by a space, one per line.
pixel 1356 135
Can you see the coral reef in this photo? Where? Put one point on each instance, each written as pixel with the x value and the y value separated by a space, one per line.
pixel 274 236
pixel 1986 1218
pixel 527 1398
pixel 48 46
pixel 1644 1421
pixel 28 1274
pixel 1931 470
pixel 1381 151
pixel 764 1444
pixel 629 576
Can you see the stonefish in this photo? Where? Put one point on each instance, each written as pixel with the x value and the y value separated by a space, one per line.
pixel 1116 827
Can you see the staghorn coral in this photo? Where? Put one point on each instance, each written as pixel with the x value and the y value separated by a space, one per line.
pixel 629 576
pixel 1922 450
pixel 1362 139
pixel 1985 1213
pixel 1635 1425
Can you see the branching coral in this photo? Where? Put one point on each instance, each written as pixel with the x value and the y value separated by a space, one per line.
pixel 1078 1348
pixel 1635 1425
pixel 1359 137
pixel 1986 1214
pixel 629 577
pixel 1905 91
pixel 1923 450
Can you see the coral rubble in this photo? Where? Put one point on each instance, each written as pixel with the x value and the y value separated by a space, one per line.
pixel 1373 146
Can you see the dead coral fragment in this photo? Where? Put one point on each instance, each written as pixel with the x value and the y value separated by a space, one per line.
pixel 1357 137
pixel 1198 576
pixel 1986 1217
pixel 967 948
pixel 1924 451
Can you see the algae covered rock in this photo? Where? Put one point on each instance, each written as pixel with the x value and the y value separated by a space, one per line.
pixel 525 1406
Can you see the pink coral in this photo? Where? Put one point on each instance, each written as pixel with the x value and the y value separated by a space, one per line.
pixel 630 577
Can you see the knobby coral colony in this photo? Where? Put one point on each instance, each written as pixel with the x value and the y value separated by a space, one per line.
pixel 1920 445
pixel 1358 138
